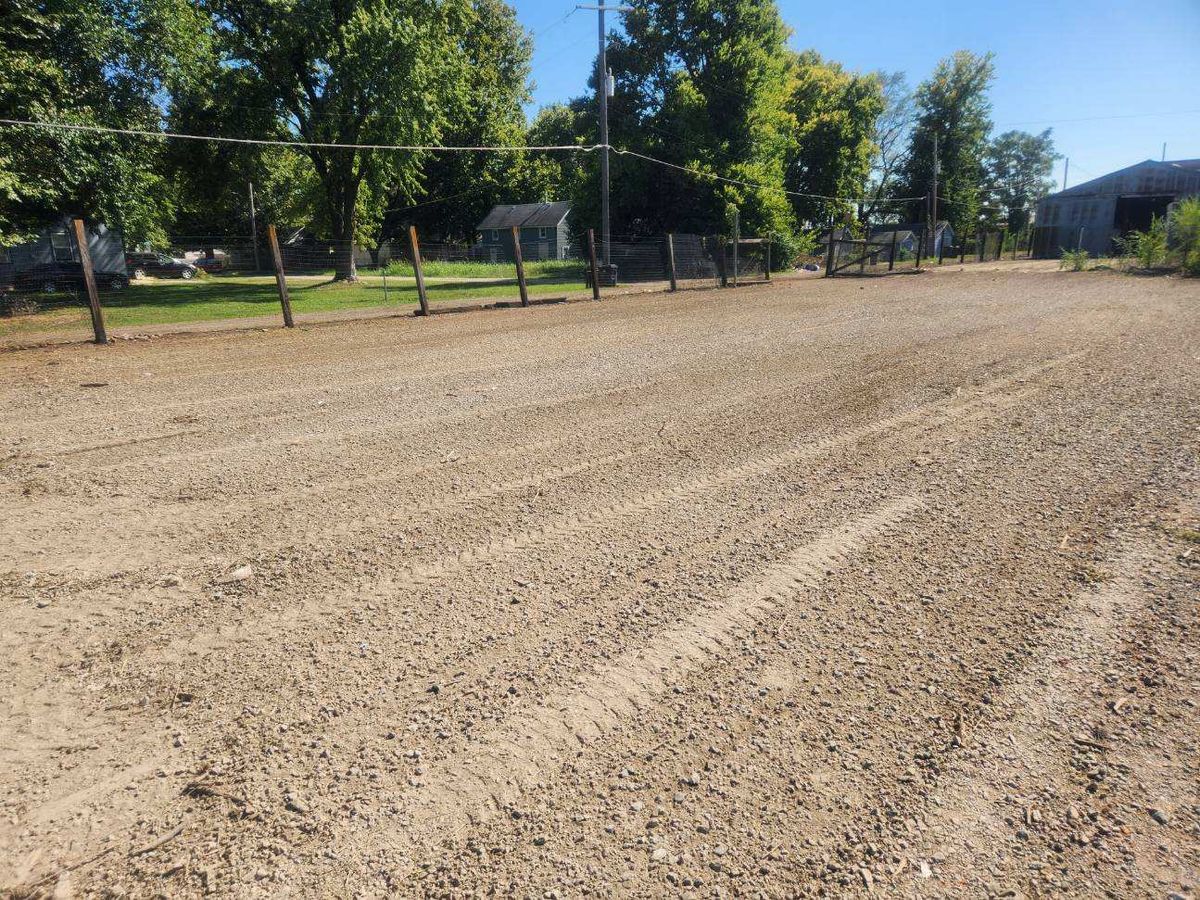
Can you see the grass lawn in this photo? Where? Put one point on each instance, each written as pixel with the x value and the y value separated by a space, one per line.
pixel 165 301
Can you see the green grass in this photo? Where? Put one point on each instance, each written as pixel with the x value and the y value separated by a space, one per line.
pixel 162 302
pixel 561 268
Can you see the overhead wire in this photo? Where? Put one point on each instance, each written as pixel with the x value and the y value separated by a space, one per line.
pixel 437 148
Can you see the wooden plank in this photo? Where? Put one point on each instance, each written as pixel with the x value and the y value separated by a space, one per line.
pixel 516 236
pixel 592 258
pixel 280 277
pixel 671 261
pixel 415 246
pixel 89 281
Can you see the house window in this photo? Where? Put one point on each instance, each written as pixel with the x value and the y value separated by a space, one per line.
pixel 493 235
pixel 60 243
pixel 543 234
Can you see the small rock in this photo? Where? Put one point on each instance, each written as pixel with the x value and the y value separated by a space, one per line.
pixel 659 855
pixel 1159 816
pixel 239 574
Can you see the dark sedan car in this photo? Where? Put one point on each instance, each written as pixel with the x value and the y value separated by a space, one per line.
pixel 158 264
pixel 49 278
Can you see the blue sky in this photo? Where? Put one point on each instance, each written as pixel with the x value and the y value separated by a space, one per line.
pixel 1057 63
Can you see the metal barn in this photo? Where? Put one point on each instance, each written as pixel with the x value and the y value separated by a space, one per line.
pixel 1090 215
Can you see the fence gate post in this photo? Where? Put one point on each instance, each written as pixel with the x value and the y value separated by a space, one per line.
pixel 415 246
pixel 592 261
pixel 89 282
pixel 829 251
pixel 280 278
pixel 671 261
pixel 516 234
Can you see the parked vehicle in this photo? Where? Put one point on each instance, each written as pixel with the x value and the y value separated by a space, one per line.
pixel 49 278
pixel 211 264
pixel 158 264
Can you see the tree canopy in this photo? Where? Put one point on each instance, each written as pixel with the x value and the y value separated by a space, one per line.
pixel 786 139
pixel 953 107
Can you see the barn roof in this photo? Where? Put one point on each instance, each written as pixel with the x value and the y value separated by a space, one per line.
pixel 526 215
pixel 1090 186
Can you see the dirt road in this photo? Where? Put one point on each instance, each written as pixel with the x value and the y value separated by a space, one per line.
pixel 883 586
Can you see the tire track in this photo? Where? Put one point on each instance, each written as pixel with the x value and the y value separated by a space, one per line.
pixel 470 787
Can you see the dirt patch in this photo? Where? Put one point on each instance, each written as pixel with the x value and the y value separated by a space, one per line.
pixel 831 586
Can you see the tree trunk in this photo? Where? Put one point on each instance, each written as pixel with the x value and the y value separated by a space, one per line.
pixel 343 232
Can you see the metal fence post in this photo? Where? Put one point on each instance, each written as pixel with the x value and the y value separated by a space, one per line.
pixel 280 278
pixel 415 246
pixel 592 257
pixel 671 261
pixel 516 235
pixel 89 282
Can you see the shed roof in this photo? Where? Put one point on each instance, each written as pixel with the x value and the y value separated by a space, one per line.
pixel 526 215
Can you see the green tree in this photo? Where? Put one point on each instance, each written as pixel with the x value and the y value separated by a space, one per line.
pixel 457 189
pixel 704 86
pixel 1018 175
pixel 103 63
pixel 953 107
pixel 835 112
pixel 355 72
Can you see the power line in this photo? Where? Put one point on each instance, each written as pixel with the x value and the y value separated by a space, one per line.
pixel 1172 112
pixel 767 187
pixel 432 148
pixel 443 149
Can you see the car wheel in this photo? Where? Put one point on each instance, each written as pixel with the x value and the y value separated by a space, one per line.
pixel 49 287
pixel 186 274
pixel 118 284
pixel 139 274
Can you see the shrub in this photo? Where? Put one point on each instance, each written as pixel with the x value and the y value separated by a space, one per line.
pixel 1075 260
pixel 1185 234
pixel 1149 248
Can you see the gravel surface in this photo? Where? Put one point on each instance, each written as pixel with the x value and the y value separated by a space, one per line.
pixel 833 587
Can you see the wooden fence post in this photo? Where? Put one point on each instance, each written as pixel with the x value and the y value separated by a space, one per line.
pixel 980 244
pixel 962 251
pixel 941 248
pixel 592 261
pixel 892 255
pixel 671 261
pixel 829 251
pixel 767 257
pixel 920 249
pixel 89 281
pixel 722 261
pixel 516 235
pixel 415 246
pixel 280 277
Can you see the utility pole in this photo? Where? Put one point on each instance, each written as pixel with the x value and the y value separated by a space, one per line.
pixel 933 195
pixel 1164 155
pixel 602 89
pixel 1066 170
pixel 254 228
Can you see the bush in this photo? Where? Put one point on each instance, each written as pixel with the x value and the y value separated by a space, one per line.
pixel 1075 260
pixel 1185 234
pixel 1149 248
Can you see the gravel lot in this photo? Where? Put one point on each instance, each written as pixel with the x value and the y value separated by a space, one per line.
pixel 851 586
